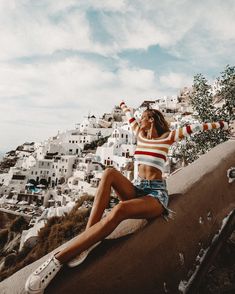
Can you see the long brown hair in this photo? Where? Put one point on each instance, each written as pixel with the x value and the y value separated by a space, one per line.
pixel 160 122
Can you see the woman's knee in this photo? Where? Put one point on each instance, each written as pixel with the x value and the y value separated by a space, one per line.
pixel 109 173
pixel 119 212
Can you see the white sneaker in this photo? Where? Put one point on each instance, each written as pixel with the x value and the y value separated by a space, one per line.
pixel 82 256
pixel 41 277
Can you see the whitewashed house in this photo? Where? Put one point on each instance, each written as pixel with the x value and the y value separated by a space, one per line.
pixel 15 180
pixel 119 149
pixel 82 179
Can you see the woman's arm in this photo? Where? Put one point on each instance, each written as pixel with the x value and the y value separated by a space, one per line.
pixel 132 121
pixel 186 131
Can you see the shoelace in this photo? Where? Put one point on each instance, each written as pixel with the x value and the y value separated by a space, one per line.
pixel 43 266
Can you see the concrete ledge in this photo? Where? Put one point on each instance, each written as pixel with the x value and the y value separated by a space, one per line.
pixel 159 256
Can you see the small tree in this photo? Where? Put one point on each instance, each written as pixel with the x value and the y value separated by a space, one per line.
pixel 94 144
pixel 201 100
pixel 227 92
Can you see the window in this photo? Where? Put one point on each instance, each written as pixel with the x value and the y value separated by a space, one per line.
pixel 32 173
pixel 65 170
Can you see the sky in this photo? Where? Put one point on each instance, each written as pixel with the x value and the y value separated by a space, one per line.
pixel 63 59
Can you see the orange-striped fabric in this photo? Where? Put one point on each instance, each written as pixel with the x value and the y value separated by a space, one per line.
pixel 153 152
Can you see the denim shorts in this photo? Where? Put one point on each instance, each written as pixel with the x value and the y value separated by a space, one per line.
pixel 155 188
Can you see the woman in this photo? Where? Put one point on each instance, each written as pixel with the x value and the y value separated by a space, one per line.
pixel 145 198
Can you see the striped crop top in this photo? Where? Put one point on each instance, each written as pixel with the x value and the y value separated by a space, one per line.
pixel 153 152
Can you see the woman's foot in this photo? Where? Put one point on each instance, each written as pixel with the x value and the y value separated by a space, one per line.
pixel 82 256
pixel 41 277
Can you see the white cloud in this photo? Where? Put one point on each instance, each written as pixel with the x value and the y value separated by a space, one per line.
pixel 72 81
pixel 137 78
pixel 220 21
pixel 44 97
pixel 26 32
pixel 175 80
pixel 107 5
pixel 35 28
pixel 45 91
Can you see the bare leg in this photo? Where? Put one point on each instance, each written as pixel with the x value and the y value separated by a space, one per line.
pixel 143 207
pixel 111 178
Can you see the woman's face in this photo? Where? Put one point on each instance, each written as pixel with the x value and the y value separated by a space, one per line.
pixel 145 121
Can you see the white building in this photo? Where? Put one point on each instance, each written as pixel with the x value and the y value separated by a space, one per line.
pixel 119 149
pixel 15 180
pixel 85 178
pixel 53 171
pixel 28 147
pixel 167 104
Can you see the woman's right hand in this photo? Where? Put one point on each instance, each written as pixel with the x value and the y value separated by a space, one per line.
pixel 122 102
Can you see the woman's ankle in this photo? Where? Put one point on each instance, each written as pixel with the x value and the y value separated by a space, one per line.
pixel 58 257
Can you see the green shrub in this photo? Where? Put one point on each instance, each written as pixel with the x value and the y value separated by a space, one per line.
pixel 10 260
pixel 53 220
pixel 18 225
pixel 3 237
pixel 23 253
pixel 68 229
